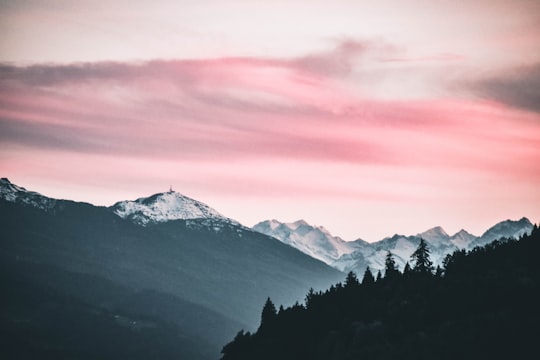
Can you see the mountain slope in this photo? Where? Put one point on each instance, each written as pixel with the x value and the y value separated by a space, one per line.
pixel 47 312
pixel 221 267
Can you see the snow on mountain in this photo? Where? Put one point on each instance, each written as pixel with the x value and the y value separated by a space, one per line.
pixel 435 236
pixel 462 239
pixel 156 208
pixel 356 256
pixel 511 229
pixel 164 207
pixel 315 241
pixel 16 194
pixel 374 254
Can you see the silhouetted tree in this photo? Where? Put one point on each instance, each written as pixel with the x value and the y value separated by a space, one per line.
pixel 309 297
pixel 390 267
pixel 368 278
pixel 534 229
pixel 351 280
pixel 405 321
pixel 379 276
pixel 407 269
pixel 422 262
pixel 234 348
pixel 268 314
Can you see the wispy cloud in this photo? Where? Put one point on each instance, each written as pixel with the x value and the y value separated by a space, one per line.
pixel 430 58
pixel 300 108
pixel 518 87
pixel 315 126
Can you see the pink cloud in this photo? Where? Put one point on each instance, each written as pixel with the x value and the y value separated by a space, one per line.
pixel 430 58
pixel 277 128
pixel 243 107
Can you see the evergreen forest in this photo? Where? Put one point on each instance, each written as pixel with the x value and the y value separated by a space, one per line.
pixel 481 304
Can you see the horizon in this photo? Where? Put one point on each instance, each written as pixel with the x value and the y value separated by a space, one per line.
pixel 389 235
pixel 365 118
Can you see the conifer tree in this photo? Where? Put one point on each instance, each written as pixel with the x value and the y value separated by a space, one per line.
pixel 379 276
pixel 407 268
pixel 235 347
pixel 268 314
pixel 438 271
pixel 309 297
pixel 351 280
pixel 534 229
pixel 422 262
pixel 368 278
pixel 390 267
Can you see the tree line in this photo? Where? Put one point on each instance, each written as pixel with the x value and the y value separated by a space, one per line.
pixel 480 304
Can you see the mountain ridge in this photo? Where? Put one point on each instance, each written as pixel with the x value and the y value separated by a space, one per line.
pixel 358 255
pixel 215 264
pixel 315 241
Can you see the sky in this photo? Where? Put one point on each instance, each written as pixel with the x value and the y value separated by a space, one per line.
pixel 368 118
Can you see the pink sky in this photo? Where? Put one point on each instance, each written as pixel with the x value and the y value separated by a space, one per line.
pixel 369 119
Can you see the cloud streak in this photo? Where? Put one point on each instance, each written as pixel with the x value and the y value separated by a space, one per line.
pixel 313 127
pixel 518 87
pixel 297 108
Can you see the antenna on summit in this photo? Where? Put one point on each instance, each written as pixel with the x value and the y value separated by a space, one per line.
pixel 170 188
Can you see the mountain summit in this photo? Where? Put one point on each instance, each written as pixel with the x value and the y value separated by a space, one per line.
pixel 508 228
pixel 158 208
pixel 19 195
pixel 315 241
pixel 163 207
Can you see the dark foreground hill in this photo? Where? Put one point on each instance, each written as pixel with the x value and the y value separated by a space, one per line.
pixel 78 281
pixel 484 304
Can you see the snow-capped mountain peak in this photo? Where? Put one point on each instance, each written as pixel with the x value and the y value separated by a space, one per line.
pixel 435 235
pixel 462 239
pixel 508 229
pixel 17 194
pixel 8 190
pixel 273 224
pixel 297 224
pixel 164 207
pixel 315 241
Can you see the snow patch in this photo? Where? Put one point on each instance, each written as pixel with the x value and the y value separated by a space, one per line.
pixel 17 194
pixel 314 241
pixel 164 207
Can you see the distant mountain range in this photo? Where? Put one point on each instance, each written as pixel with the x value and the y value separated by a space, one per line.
pixel 162 272
pixel 357 255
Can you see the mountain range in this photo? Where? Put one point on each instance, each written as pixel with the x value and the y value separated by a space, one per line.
pixel 166 276
pixel 163 272
pixel 357 255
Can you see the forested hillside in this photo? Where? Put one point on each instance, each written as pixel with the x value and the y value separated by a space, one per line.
pixel 482 304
